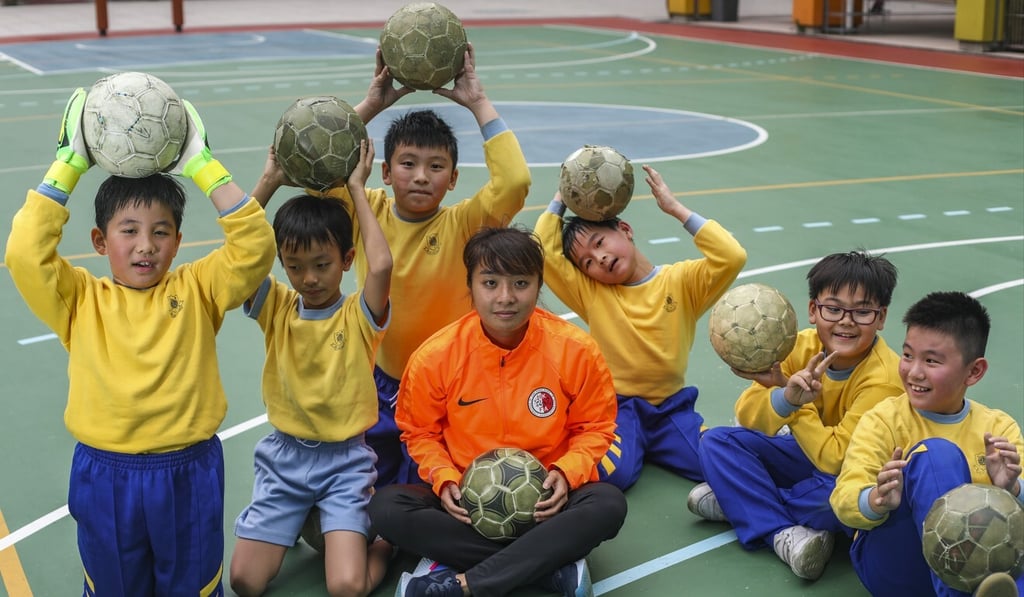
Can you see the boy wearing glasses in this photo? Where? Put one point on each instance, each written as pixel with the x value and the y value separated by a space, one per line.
pixel 774 488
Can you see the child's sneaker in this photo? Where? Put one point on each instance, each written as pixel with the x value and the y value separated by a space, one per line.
pixel 429 580
pixel 703 503
pixel 999 584
pixel 805 550
pixel 572 580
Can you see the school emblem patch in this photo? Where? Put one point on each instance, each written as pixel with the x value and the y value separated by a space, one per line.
pixel 174 305
pixel 542 403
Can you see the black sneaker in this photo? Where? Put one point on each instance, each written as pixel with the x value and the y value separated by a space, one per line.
pixel 572 580
pixel 440 582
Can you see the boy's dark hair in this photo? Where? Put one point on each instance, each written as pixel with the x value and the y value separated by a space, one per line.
pixel 856 270
pixel 574 226
pixel 509 251
pixel 118 192
pixel 304 220
pixel 957 315
pixel 421 128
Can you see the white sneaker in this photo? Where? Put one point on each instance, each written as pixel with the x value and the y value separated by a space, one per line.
pixel 424 566
pixel 805 550
pixel 999 584
pixel 703 503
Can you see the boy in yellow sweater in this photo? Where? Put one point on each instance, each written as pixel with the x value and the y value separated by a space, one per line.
pixel 911 449
pixel 145 397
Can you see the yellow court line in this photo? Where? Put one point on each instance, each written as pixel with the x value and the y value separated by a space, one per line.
pixel 823 183
pixel 197 243
pixel 771 187
pixel 11 571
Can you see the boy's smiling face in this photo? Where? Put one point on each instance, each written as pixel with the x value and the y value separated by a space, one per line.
pixel 141 242
pixel 853 341
pixel 934 373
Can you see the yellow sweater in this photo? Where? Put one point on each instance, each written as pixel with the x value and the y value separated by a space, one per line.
pixel 142 364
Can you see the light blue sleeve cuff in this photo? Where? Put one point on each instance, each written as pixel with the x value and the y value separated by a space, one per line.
pixel 369 315
pixel 235 207
pixel 865 506
pixel 694 223
pixel 1020 494
pixel 253 306
pixel 780 405
pixel 493 127
pixel 556 207
pixel 53 193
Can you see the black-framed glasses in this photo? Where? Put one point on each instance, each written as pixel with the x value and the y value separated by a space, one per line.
pixel 835 313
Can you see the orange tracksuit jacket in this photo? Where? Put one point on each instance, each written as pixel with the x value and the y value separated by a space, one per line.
pixel 552 395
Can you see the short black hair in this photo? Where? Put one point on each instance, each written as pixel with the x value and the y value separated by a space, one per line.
pixel 304 220
pixel 574 226
pixel 421 128
pixel 511 251
pixel 957 315
pixel 119 192
pixel 856 270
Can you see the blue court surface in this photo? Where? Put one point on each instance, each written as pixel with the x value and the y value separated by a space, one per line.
pixel 137 53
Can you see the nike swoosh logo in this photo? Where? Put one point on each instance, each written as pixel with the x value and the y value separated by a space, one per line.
pixel 464 402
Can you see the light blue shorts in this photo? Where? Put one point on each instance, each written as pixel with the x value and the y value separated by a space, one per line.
pixel 293 475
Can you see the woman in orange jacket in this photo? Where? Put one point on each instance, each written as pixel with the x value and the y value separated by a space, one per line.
pixel 508 374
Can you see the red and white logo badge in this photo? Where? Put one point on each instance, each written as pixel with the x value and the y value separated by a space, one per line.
pixel 542 403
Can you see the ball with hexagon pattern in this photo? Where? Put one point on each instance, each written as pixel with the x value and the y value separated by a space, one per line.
pixel 501 488
pixel 134 124
pixel 752 326
pixel 423 45
pixel 971 531
pixel 596 182
pixel 316 141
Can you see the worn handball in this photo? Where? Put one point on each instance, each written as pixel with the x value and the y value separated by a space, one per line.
pixel 752 326
pixel 972 531
pixel 596 182
pixel 501 488
pixel 134 124
pixel 423 45
pixel 316 142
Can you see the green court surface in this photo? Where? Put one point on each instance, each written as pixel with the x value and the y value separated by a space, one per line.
pixel 797 153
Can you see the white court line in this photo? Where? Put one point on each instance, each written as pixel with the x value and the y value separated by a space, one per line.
pixel 44 521
pixel 34 339
pixel 660 563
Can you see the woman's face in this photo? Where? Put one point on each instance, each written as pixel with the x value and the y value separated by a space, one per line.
pixel 504 303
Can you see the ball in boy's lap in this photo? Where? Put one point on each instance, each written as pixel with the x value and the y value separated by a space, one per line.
pixel 316 141
pixel 972 531
pixel 423 45
pixel 752 326
pixel 501 488
pixel 596 182
pixel 134 124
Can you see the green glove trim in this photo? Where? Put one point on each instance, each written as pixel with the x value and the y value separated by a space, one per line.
pixel 209 175
pixel 70 143
pixel 63 176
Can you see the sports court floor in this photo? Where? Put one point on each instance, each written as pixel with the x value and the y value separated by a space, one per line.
pixel 799 147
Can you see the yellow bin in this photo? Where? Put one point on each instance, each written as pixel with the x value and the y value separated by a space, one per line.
pixel 685 8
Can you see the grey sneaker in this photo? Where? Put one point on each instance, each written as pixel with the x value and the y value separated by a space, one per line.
pixel 805 550
pixel 999 584
pixel 703 503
